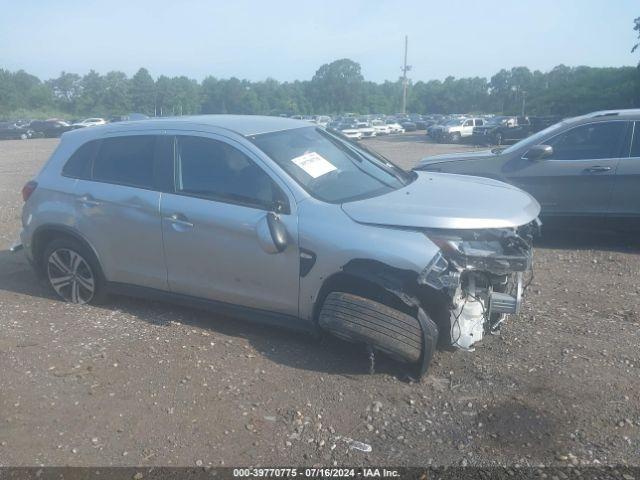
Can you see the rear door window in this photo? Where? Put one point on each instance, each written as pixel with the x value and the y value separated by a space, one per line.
pixel 126 161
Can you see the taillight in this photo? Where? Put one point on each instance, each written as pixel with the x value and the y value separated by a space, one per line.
pixel 28 189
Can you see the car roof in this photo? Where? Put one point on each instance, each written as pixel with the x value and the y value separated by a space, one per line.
pixel 245 125
pixel 626 114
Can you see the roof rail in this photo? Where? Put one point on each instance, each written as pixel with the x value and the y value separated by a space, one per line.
pixel 610 113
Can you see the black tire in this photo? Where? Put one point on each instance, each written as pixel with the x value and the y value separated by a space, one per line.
pixel 361 320
pixel 456 137
pixel 91 266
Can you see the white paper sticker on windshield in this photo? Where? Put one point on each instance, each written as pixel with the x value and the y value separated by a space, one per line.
pixel 314 164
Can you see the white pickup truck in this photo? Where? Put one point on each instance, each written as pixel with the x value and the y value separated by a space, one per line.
pixel 455 130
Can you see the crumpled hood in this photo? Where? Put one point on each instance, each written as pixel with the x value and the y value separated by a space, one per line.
pixel 454 157
pixel 441 200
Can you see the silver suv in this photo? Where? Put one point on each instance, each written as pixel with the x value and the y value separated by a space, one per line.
pixel 279 221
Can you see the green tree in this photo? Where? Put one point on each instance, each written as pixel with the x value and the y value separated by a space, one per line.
pixel 66 90
pixel 92 92
pixel 337 87
pixel 143 92
pixel 115 96
pixel 177 96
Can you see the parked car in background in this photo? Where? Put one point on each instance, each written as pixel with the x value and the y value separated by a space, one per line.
pixel 14 131
pixel 89 122
pixel 210 210
pixel 583 170
pixel 51 128
pixel 366 129
pixel 322 120
pixel 502 130
pixel 432 130
pixel 129 117
pixel 421 124
pixel 456 129
pixel 408 126
pixel 542 122
pixel 394 126
pixel 380 127
pixel 348 129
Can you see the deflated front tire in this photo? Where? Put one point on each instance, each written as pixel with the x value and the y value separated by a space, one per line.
pixel 395 333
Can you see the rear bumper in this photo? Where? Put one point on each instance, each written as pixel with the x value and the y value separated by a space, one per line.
pixel 23 244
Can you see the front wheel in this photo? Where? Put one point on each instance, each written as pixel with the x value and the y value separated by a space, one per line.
pixel 361 320
pixel 456 137
pixel 73 273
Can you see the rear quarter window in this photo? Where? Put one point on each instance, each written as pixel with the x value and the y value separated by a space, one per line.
pixel 79 164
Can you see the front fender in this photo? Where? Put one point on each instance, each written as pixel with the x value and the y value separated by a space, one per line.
pixel 343 246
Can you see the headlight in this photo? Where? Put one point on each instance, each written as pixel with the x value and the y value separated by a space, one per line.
pixel 438 275
pixel 496 255
pixel 456 246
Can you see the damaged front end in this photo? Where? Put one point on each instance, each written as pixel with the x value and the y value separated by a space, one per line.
pixel 481 272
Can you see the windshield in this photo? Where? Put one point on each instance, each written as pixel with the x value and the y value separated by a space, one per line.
pixel 533 139
pixel 330 168
pixel 456 121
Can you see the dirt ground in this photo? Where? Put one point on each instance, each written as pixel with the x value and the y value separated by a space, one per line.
pixel 144 383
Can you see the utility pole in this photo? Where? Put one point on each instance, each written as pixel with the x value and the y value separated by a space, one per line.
pixel 405 69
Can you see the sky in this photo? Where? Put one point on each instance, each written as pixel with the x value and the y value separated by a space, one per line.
pixel 288 40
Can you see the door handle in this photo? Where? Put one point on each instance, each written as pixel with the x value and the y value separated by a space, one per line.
pixel 598 168
pixel 180 219
pixel 88 201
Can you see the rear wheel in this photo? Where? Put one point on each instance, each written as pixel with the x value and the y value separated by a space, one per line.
pixel 72 272
pixel 361 320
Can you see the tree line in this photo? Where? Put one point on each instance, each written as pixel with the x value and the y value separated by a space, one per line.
pixel 336 87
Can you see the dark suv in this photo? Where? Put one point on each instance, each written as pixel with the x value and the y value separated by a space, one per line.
pixel 49 128
pixel 501 130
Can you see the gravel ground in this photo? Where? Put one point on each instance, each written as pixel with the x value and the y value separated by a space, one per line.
pixel 143 383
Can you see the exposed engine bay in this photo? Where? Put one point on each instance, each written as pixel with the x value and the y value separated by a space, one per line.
pixel 482 274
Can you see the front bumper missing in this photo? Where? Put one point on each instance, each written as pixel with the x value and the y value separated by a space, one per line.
pixel 482 275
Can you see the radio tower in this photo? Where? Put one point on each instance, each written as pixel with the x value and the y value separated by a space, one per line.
pixel 405 69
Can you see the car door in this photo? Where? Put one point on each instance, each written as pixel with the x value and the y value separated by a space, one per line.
pixel 117 207
pixel 625 199
pixel 212 226
pixel 577 179
pixel 467 128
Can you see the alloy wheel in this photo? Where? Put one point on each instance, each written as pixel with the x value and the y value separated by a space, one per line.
pixel 71 276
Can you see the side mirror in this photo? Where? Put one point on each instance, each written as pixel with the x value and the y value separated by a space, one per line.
pixel 278 231
pixel 539 152
pixel 272 234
